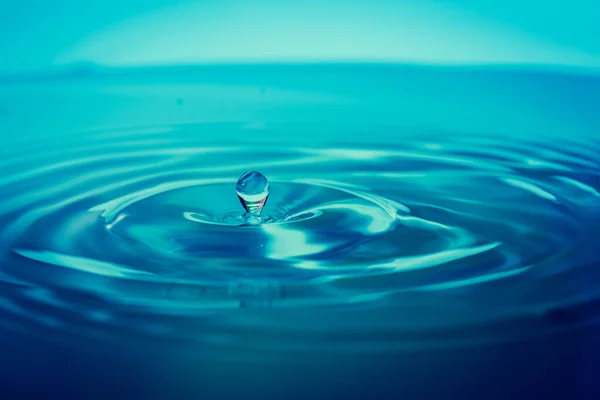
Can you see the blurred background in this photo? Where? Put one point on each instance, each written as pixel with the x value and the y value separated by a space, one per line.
pixel 39 34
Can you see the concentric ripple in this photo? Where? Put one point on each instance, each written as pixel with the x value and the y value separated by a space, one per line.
pixel 122 232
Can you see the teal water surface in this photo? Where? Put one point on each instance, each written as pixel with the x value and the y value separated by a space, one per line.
pixel 411 210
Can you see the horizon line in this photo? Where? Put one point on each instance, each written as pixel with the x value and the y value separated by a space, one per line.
pixel 92 68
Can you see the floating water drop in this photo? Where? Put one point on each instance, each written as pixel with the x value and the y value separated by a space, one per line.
pixel 253 191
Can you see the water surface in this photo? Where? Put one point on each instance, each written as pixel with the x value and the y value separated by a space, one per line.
pixel 422 219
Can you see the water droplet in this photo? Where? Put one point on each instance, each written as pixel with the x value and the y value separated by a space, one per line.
pixel 253 191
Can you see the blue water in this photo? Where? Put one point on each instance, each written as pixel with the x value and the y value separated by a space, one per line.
pixel 429 231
